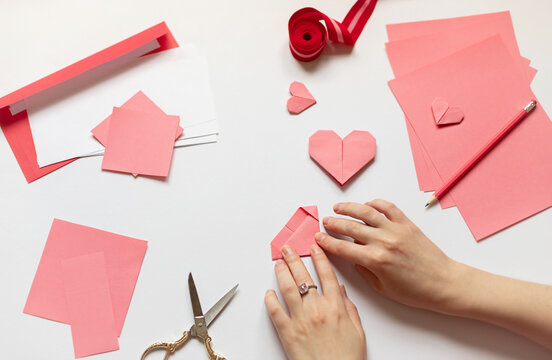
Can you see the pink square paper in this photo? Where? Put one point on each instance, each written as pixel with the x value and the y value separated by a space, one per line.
pixel 140 143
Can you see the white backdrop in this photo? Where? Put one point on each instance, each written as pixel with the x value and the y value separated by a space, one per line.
pixel 223 203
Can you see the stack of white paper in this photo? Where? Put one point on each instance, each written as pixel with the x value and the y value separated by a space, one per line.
pixel 177 80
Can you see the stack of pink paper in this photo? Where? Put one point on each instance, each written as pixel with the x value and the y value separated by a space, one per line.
pixel 459 81
pixel 138 138
pixel 86 278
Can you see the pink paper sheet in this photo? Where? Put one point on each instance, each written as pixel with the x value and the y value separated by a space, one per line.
pixel 410 54
pixel 140 143
pixel 513 181
pixel 89 304
pixel 407 30
pixel 138 102
pixel 415 44
pixel 123 258
pixel 298 232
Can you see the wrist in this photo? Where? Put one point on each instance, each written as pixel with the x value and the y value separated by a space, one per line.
pixel 457 295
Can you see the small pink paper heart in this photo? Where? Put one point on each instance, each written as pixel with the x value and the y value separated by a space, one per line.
pixel 342 158
pixel 301 99
pixel 443 114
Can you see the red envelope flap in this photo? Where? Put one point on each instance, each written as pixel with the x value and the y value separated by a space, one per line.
pixel 159 32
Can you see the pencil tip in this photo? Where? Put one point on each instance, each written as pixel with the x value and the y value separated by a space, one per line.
pixel 427 204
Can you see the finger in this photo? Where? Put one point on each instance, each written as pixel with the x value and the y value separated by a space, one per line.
pixel 347 250
pixel 328 280
pixel 276 311
pixel 369 276
pixel 361 212
pixel 298 270
pixel 288 289
pixel 390 210
pixel 351 310
pixel 350 228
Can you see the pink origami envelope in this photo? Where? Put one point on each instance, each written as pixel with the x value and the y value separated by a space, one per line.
pixel 123 259
pixel 16 127
pixel 298 232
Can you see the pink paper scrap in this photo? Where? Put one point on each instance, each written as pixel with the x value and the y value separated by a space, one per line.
pixel 89 304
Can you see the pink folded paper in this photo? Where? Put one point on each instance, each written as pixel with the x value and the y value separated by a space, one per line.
pixel 298 232
pixel 140 143
pixel 415 44
pixel 513 181
pixel 342 158
pixel 89 304
pixel 301 98
pixel 123 260
pixel 16 127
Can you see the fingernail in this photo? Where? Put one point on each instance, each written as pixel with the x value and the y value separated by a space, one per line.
pixel 315 250
pixel 337 207
pixel 268 292
pixel 287 251
pixel 327 220
pixel 319 237
pixel 279 264
pixel 343 291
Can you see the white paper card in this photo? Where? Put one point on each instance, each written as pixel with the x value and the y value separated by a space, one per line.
pixel 176 80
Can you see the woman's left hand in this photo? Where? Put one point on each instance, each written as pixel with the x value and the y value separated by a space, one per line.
pixel 318 326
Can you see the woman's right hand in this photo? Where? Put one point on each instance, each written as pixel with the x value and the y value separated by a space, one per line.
pixel 393 255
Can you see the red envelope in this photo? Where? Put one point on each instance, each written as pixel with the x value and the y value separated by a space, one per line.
pixel 16 127
pixel 298 232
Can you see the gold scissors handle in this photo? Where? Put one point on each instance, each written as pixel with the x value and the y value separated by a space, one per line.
pixel 169 347
pixel 172 346
pixel 212 355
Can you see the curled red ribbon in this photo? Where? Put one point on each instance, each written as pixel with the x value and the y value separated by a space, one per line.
pixel 308 36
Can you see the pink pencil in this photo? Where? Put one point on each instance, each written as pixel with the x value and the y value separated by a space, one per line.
pixel 481 153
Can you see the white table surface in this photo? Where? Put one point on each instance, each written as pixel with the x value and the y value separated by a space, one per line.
pixel 223 203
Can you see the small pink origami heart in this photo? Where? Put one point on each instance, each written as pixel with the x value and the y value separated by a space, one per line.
pixel 342 159
pixel 443 114
pixel 301 99
pixel 298 232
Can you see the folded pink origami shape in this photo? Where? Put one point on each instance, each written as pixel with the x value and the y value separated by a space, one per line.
pixel 298 232
pixel 342 159
pixel 443 114
pixel 301 99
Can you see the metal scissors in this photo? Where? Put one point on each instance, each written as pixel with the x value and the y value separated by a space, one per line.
pixel 199 329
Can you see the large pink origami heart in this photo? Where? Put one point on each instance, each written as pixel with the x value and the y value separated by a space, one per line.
pixel 443 114
pixel 342 158
pixel 300 99
pixel 298 232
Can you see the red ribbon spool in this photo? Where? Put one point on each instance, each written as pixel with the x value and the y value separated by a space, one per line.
pixel 308 36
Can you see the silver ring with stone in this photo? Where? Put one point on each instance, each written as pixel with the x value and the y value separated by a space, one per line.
pixel 304 288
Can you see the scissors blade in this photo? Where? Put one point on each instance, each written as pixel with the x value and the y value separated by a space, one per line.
pixel 196 305
pixel 220 305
